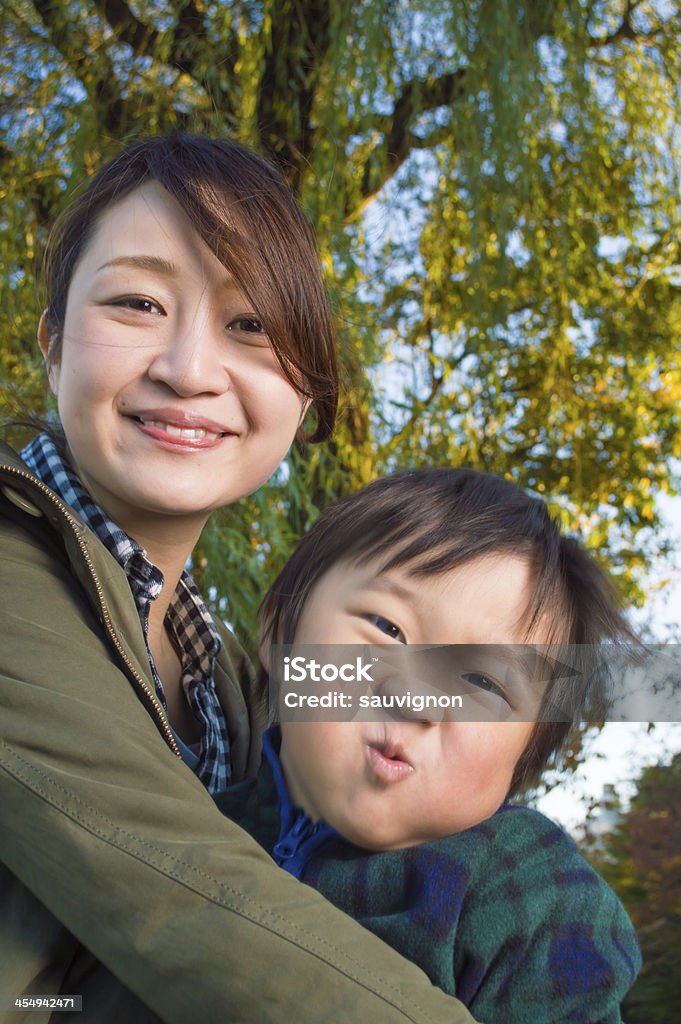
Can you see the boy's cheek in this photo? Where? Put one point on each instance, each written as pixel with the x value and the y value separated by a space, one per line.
pixel 313 759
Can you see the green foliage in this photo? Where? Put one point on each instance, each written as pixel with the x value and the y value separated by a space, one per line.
pixel 641 858
pixel 495 188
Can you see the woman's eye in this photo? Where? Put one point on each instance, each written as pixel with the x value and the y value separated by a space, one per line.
pixel 387 627
pixel 140 304
pixel 483 682
pixel 247 324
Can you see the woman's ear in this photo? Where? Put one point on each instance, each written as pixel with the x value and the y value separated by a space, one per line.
pixel 47 339
pixel 305 405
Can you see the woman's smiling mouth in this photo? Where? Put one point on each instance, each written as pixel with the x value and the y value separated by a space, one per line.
pixel 181 430
pixel 186 432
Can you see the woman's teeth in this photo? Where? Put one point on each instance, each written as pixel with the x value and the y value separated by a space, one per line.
pixel 191 433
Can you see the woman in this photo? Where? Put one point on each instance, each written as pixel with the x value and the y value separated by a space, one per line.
pixel 185 336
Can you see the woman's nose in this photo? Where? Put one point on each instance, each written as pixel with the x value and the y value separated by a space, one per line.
pixel 192 361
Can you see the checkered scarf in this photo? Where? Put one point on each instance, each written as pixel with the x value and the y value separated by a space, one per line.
pixel 188 621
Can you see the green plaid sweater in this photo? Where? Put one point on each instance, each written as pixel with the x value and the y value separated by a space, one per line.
pixel 507 916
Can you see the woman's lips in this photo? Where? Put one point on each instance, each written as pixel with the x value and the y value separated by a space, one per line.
pixel 388 764
pixel 181 431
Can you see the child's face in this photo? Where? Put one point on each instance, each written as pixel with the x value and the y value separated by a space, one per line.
pixel 396 782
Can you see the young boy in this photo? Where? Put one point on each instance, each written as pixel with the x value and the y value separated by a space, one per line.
pixel 402 821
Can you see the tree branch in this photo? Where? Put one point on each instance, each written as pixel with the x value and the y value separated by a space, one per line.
pixel 90 65
pixel 417 98
pixel 437 379
pixel 190 27
pixel 625 30
pixel 66 36
pixel 419 407
pixel 298 48
pixel 189 30
pixel 127 27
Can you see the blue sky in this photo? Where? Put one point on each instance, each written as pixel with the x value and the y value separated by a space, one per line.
pixel 622 749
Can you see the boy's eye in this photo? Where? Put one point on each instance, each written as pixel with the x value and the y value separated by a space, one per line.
pixel 483 682
pixel 387 627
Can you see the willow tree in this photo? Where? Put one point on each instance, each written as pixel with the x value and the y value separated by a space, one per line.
pixel 640 859
pixel 494 186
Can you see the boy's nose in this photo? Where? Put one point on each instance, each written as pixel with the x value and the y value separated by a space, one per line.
pixel 406 696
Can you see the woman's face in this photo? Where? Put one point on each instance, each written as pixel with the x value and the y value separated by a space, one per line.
pixel 172 400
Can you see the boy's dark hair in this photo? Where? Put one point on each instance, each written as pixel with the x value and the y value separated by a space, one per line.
pixel 429 523
pixel 245 212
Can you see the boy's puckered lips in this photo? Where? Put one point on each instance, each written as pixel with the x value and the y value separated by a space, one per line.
pixel 388 761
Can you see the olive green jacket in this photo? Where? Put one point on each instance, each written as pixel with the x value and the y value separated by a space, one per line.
pixel 113 852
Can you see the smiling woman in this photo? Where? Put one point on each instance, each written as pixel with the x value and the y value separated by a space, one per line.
pixel 173 399
pixel 186 333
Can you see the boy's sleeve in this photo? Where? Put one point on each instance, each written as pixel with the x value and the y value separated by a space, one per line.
pixel 542 937
pixel 119 841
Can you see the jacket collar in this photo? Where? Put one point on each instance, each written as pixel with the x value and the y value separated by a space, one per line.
pixel 103 580
pixel 299 836
pixel 108 591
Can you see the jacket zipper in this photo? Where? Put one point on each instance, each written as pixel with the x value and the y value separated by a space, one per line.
pixel 63 508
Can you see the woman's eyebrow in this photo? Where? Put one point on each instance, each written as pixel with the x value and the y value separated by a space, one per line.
pixel 154 263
